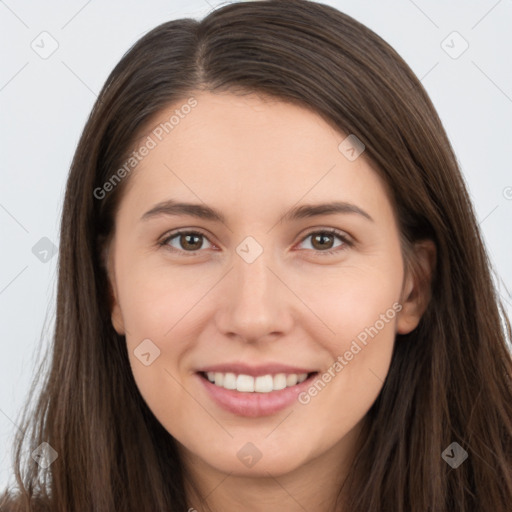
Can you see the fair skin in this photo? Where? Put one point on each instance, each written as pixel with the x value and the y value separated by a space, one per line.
pixel 253 160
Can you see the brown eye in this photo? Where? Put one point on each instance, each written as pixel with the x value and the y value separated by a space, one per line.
pixel 184 241
pixel 190 241
pixel 323 241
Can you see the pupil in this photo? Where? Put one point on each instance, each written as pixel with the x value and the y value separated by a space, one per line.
pixel 322 236
pixel 187 238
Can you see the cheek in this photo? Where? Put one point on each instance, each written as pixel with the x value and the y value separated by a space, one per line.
pixel 362 345
pixel 154 298
pixel 154 310
pixel 353 301
pixel 360 307
pixel 155 350
pixel 360 354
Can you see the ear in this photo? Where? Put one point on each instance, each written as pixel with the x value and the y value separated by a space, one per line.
pixel 115 309
pixel 416 290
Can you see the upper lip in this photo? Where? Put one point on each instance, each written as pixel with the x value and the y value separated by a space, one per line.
pixel 245 369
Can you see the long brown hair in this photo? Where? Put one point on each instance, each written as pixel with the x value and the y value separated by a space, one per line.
pixel 450 378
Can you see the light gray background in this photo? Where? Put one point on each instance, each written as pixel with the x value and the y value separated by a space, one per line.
pixel 45 103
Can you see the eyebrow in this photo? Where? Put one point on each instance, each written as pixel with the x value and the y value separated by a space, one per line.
pixel 202 211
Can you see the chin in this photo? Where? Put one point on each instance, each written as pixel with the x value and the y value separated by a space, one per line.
pixel 240 463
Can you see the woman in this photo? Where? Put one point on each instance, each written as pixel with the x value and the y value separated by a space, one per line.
pixel 211 352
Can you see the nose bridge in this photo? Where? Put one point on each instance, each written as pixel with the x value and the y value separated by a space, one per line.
pixel 254 278
pixel 255 305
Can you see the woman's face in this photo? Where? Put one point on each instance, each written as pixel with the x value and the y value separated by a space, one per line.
pixel 262 289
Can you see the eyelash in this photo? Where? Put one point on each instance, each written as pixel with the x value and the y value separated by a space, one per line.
pixel 328 231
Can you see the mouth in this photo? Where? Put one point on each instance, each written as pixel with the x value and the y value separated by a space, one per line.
pixel 243 383
pixel 254 396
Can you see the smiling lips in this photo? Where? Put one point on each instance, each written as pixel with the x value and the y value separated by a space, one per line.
pixel 254 391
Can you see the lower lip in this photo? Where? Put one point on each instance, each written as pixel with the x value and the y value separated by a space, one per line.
pixel 254 404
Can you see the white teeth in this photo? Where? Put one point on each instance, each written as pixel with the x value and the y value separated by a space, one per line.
pixel 229 381
pixel 279 381
pixel 245 383
pixel 291 379
pixel 263 384
pixel 260 384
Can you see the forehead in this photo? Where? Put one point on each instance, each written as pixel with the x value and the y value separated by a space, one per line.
pixel 250 152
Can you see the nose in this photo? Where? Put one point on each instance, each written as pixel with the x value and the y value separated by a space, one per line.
pixel 256 303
